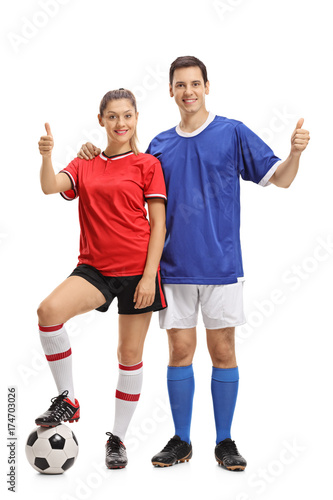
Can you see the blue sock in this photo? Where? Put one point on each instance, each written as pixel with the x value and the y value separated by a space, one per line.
pixel 224 392
pixel 181 391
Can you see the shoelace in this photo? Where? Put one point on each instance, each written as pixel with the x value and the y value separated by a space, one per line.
pixel 113 443
pixel 230 448
pixel 56 407
pixel 170 445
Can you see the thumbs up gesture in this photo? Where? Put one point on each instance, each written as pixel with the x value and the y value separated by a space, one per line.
pixel 299 139
pixel 46 142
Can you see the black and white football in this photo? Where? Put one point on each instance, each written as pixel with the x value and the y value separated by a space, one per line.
pixel 52 450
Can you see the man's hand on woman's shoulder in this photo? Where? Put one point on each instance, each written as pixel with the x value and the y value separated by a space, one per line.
pixel 88 151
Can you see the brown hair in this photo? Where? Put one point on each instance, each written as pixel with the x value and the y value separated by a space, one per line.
pixel 187 62
pixel 114 95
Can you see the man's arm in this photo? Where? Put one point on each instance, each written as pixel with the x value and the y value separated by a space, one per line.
pixel 287 170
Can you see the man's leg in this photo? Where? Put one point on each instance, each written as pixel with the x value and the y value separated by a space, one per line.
pixel 182 344
pixel 179 319
pixel 221 346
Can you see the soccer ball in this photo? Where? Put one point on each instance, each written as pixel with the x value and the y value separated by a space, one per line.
pixel 52 450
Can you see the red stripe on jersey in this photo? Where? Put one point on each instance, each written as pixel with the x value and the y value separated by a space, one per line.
pixel 60 355
pixel 130 368
pixel 163 301
pixel 127 397
pixel 52 328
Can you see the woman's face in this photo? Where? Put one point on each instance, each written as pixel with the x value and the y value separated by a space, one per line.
pixel 119 119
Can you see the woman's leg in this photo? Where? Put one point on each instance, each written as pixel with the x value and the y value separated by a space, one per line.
pixel 132 333
pixel 74 296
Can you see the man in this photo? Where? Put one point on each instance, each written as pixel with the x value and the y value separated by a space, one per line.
pixel 202 159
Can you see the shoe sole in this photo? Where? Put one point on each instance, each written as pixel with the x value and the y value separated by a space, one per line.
pixel 57 423
pixel 116 466
pixel 73 420
pixel 181 460
pixel 230 467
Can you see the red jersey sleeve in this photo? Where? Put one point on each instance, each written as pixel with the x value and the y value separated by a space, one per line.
pixel 72 171
pixel 154 184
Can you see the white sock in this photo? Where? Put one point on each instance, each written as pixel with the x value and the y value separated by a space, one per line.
pixel 127 397
pixel 57 349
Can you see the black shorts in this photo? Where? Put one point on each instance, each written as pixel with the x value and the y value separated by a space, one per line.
pixel 122 287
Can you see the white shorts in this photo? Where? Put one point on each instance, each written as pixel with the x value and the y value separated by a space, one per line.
pixel 221 306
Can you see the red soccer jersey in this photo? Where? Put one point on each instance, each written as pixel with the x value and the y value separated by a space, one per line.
pixel 112 192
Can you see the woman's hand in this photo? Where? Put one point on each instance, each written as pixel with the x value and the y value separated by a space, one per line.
pixel 144 294
pixel 46 142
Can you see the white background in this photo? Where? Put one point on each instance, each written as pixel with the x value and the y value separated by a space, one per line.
pixel 265 59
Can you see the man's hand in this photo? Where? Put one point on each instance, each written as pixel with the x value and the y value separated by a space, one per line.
pixel 299 139
pixel 88 151
pixel 144 293
pixel 287 170
pixel 46 142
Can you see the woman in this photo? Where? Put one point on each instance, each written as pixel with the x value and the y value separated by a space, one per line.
pixel 119 257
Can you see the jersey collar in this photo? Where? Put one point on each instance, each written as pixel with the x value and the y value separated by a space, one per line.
pixel 115 157
pixel 209 120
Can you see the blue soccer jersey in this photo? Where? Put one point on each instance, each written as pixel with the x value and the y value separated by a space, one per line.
pixel 201 172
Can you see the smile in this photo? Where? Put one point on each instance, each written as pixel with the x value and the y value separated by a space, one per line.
pixel 189 101
pixel 121 132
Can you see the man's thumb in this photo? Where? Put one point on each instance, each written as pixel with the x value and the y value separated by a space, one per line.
pixel 300 123
pixel 48 129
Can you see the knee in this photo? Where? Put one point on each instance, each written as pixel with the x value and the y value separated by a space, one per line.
pixel 47 313
pixel 181 353
pixel 128 356
pixel 223 355
pixel 221 346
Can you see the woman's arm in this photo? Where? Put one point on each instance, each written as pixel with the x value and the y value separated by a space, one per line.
pixel 145 291
pixel 50 182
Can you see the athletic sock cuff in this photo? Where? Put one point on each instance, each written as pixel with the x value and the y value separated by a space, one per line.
pixel 130 370
pixel 225 374
pixel 180 372
pixel 51 328
pixel 51 331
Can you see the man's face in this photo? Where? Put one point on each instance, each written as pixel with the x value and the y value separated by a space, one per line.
pixel 188 89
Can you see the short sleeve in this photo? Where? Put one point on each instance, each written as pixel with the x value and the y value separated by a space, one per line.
pixel 72 171
pixel 256 161
pixel 153 149
pixel 154 184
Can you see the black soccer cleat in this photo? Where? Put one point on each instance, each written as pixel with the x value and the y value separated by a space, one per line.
pixel 228 456
pixel 61 410
pixel 116 457
pixel 175 451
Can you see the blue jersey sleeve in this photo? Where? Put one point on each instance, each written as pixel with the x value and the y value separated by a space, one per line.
pixel 255 159
pixel 153 149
